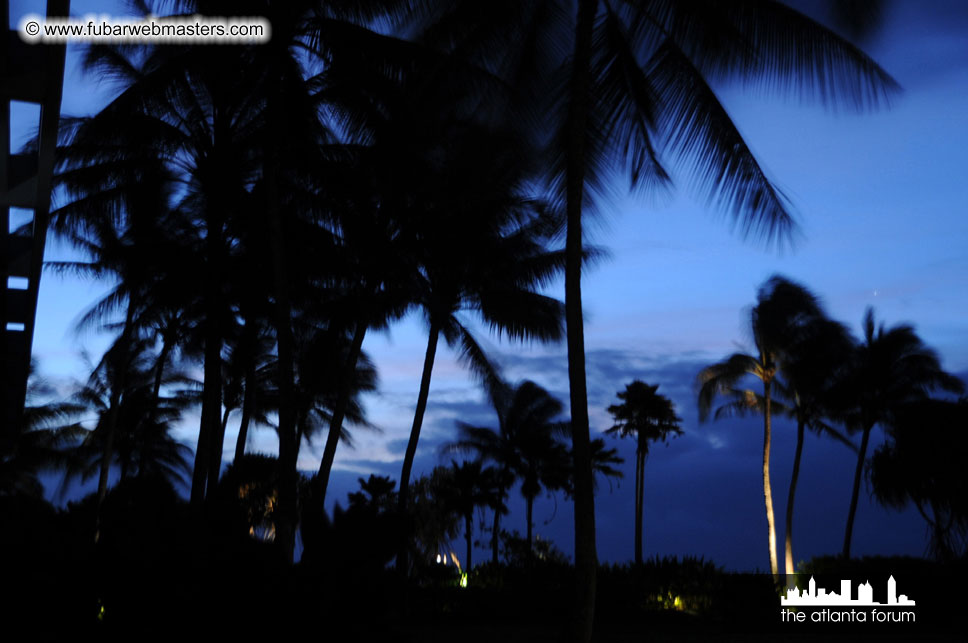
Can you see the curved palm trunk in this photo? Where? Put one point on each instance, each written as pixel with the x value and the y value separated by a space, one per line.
pixel 861 456
pixel 767 490
pixel 215 466
pixel 248 401
pixel 114 404
pixel 339 412
pixel 788 544
pixel 166 348
pixel 404 496
pixel 639 493
pixel 586 559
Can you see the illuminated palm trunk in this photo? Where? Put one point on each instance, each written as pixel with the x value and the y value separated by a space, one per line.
pixel 789 567
pixel 767 490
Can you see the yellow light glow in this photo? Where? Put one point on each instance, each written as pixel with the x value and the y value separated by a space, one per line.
pixel 463 579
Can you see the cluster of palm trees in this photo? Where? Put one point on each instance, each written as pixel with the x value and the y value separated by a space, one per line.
pixel 333 179
pixel 814 371
pixel 527 447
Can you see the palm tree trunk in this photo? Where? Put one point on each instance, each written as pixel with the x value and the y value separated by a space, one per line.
pixel 166 348
pixel 639 488
pixel 494 535
pixel 118 373
pixel 586 559
pixel 212 386
pixel 339 411
pixel 529 503
pixel 248 401
pixel 215 466
pixel 250 340
pixel 288 441
pixel 788 552
pixel 861 457
pixel 468 524
pixel 211 406
pixel 767 490
pixel 404 496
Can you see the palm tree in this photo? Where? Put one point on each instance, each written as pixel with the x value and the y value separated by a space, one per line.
pixel 809 366
pixel 524 447
pixel 889 368
pixel 632 85
pixel 483 250
pixel 117 214
pixel 649 417
pixel 922 463
pixel 322 382
pixel 470 486
pixel 134 435
pixel 783 310
pixel 196 122
pixel 604 461
pixel 37 443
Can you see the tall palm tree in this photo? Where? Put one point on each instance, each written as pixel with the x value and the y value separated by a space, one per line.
pixel 632 86
pixel 197 122
pixel 889 368
pixel 116 213
pixel 649 417
pixel 777 322
pixel 809 366
pixel 483 250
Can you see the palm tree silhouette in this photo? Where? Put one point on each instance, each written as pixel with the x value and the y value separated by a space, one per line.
pixel 809 367
pixel 483 249
pixel 185 114
pixel 37 443
pixel 468 487
pixel 524 446
pixel 628 84
pixel 116 214
pixel 778 320
pixel 921 463
pixel 889 368
pixel 134 435
pixel 320 383
pixel 649 417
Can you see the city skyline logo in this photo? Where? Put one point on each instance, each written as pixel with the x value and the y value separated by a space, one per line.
pixel 818 597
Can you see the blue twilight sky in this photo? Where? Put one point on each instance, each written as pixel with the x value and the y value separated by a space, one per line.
pixel 881 201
